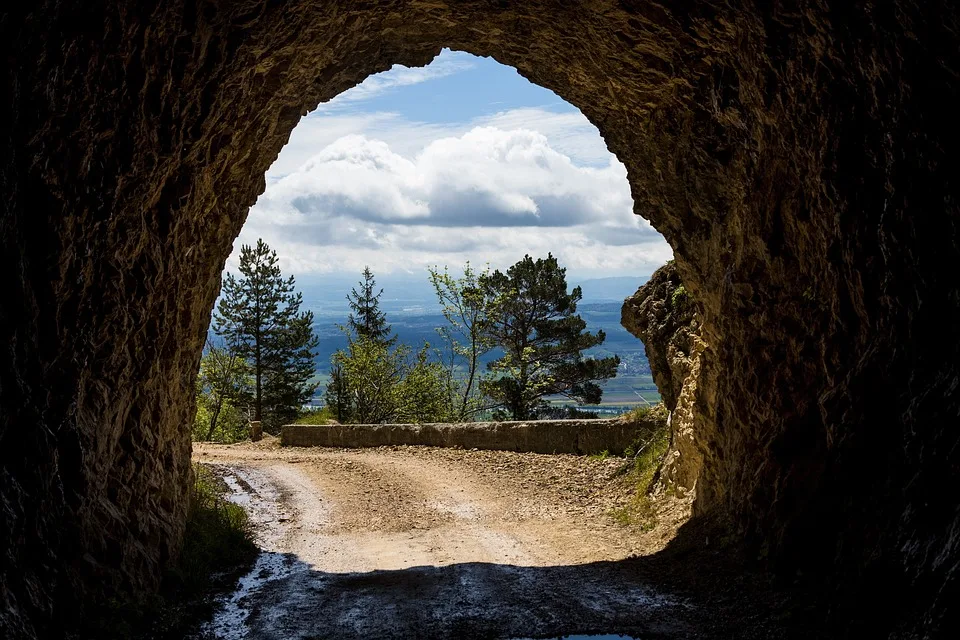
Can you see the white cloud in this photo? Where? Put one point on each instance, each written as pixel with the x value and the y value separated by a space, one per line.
pixel 400 194
pixel 486 195
pixel 398 76
pixel 570 133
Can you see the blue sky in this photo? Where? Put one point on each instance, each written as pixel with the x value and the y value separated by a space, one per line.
pixel 460 160
pixel 460 87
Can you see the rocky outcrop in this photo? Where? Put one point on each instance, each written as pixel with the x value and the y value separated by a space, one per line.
pixel 664 317
pixel 797 156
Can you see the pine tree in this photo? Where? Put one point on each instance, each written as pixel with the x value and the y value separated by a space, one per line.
pixel 259 317
pixel 542 338
pixel 366 318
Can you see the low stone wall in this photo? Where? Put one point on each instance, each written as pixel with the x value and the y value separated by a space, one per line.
pixel 541 436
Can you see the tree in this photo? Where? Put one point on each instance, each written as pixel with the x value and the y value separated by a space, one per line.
pixel 222 380
pixel 423 394
pixel 366 318
pixel 469 314
pixel 287 386
pixel 371 371
pixel 259 316
pixel 542 338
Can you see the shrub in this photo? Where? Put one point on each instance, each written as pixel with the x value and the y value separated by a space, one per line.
pixel 678 297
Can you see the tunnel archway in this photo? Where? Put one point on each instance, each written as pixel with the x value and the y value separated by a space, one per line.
pixel 795 158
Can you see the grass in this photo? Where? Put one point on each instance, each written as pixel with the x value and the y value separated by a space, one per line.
pixel 218 547
pixel 318 416
pixel 645 456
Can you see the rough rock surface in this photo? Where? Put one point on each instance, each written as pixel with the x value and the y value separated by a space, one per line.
pixel 796 155
pixel 662 314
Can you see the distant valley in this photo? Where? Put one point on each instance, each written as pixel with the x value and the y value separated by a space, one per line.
pixel 413 311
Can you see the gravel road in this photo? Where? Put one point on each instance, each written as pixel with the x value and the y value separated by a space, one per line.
pixel 415 542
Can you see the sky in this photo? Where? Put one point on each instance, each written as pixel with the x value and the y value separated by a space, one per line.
pixel 461 160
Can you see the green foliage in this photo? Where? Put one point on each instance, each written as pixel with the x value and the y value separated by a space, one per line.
pixel 337 395
pixel 218 535
pixel 223 379
pixel 230 426
pixel 366 318
pixel 469 314
pixel 259 318
pixel 646 455
pixel 363 379
pixel 371 371
pixel 636 414
pixel 678 297
pixel 424 393
pixel 380 382
pixel 543 340
pixel 316 416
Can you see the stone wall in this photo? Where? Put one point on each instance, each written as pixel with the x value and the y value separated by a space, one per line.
pixel 796 155
pixel 543 436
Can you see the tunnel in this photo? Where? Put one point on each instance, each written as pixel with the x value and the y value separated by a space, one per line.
pixel 796 156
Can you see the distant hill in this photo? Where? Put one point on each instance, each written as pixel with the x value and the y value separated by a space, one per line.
pixel 409 294
pixel 413 312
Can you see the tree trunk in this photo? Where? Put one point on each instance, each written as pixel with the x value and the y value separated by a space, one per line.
pixel 213 419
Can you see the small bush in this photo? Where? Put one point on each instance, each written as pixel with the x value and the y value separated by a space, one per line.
pixel 232 425
pixel 679 296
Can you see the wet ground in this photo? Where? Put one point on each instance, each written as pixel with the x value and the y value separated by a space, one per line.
pixel 430 543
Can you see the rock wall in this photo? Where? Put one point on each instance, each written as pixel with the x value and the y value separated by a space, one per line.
pixel 542 436
pixel 662 315
pixel 796 155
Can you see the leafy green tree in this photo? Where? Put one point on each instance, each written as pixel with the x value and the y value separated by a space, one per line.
pixel 371 371
pixel 423 395
pixel 366 318
pixel 469 314
pixel 221 382
pixel 259 317
pixel 542 338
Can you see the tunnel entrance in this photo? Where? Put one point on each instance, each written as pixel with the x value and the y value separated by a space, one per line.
pixel 462 162
pixel 796 160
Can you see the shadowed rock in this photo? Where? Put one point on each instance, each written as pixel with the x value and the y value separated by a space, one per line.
pixel 795 155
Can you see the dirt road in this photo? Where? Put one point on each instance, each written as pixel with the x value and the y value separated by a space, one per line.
pixel 415 542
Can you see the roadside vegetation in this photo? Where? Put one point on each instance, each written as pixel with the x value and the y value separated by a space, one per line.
pixel 511 341
pixel 642 465
pixel 218 547
pixel 527 315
